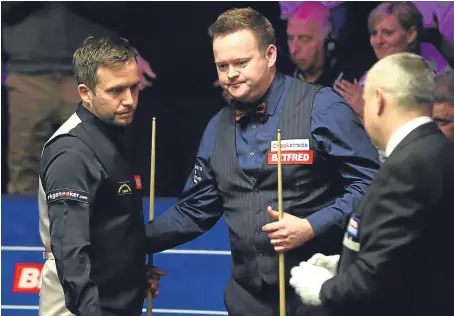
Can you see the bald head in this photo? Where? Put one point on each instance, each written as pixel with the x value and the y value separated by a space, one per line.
pixel 313 11
pixel 398 89
pixel 406 78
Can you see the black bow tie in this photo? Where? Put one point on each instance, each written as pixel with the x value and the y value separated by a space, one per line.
pixel 259 112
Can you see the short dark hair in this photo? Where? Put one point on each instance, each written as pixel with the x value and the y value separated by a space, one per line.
pixel 444 87
pixel 234 20
pixel 96 52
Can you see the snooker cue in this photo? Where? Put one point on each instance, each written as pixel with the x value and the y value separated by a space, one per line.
pixel 281 214
pixel 151 209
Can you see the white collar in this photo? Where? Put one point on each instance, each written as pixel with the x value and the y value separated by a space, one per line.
pixel 403 131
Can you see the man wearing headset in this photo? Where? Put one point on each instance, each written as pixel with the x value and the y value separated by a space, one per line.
pixel 312 47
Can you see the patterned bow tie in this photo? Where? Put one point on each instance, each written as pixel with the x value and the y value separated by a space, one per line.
pixel 259 112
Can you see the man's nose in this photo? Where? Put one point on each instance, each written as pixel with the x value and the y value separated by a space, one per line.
pixel 379 39
pixel 232 72
pixel 293 47
pixel 128 98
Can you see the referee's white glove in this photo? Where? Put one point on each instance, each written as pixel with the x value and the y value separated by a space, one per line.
pixel 330 263
pixel 307 280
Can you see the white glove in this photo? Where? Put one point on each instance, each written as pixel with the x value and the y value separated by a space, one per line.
pixel 328 262
pixel 307 280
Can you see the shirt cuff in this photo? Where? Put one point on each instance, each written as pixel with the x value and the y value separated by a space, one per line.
pixel 319 222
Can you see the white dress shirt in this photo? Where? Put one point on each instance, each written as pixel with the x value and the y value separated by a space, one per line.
pixel 403 131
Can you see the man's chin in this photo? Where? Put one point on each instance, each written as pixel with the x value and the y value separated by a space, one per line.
pixel 239 96
pixel 123 122
pixel 242 99
pixel 301 64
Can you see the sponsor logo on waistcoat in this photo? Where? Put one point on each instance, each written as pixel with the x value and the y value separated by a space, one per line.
pixel 293 152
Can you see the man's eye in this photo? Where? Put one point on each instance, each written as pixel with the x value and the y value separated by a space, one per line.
pixel 222 67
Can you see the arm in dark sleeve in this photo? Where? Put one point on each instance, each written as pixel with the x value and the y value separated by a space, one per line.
pixel 70 182
pixel 389 236
pixel 199 208
pixel 344 142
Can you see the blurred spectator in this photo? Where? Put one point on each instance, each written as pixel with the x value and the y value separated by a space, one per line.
pixel 4 132
pixel 438 18
pixel 40 39
pixel 313 47
pixel 394 27
pixel 443 110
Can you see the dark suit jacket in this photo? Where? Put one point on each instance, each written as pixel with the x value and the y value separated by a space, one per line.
pixel 405 230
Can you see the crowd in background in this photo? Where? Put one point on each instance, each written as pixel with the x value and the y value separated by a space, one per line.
pixel 331 45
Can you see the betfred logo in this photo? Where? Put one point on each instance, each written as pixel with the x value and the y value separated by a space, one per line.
pixel 296 157
pixel 27 277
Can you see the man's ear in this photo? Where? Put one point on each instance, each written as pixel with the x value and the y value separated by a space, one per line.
pixel 380 101
pixel 412 34
pixel 271 55
pixel 85 94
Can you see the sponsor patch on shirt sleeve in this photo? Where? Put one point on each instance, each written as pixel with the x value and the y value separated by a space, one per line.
pixel 67 194
pixel 351 237
pixel 198 170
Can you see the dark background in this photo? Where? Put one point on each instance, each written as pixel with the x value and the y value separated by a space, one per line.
pixel 173 37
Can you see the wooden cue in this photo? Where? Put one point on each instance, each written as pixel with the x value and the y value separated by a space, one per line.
pixel 151 209
pixel 282 304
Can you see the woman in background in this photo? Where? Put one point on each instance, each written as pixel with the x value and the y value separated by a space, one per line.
pixel 394 27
